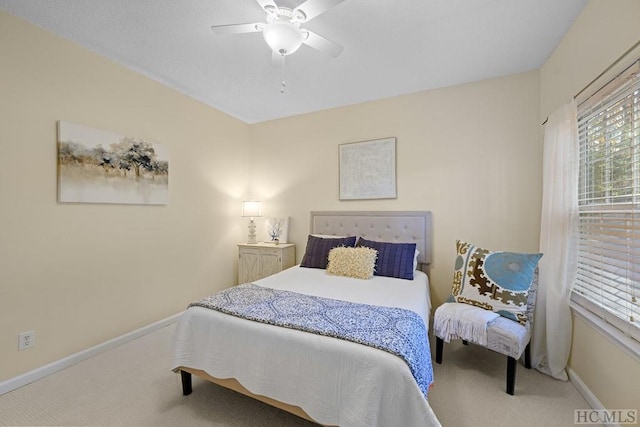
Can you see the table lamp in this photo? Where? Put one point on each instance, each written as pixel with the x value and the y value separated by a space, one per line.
pixel 252 209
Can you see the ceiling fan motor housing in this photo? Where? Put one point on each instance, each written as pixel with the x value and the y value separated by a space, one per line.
pixel 283 33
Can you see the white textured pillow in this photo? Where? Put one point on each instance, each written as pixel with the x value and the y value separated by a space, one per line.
pixel 357 262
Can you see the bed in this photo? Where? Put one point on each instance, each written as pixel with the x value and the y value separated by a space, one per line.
pixel 318 377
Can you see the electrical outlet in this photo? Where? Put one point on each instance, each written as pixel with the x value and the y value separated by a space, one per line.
pixel 26 340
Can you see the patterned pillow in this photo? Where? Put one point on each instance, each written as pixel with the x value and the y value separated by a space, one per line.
pixel 496 281
pixel 317 253
pixel 394 259
pixel 352 262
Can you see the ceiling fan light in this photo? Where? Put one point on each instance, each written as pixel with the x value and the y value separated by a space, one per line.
pixel 283 37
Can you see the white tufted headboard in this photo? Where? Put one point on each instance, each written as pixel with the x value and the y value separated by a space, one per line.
pixel 388 226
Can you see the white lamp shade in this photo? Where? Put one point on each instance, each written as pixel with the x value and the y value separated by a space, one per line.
pixel 251 208
pixel 283 37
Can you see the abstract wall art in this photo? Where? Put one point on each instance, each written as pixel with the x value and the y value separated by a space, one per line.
pixel 368 169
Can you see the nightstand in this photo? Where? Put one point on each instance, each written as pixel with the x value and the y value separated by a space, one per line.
pixel 258 260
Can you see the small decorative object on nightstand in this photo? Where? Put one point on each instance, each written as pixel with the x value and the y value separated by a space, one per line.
pixel 258 260
pixel 276 229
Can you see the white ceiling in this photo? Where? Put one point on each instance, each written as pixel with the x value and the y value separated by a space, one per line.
pixel 391 47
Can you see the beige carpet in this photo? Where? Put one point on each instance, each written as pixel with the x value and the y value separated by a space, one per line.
pixel 132 386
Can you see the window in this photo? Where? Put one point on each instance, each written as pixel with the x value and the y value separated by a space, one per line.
pixel 608 281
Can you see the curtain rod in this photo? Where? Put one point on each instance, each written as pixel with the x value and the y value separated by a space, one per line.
pixel 607 69
pixel 600 75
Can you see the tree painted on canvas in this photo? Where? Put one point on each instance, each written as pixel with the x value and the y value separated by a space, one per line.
pixel 129 170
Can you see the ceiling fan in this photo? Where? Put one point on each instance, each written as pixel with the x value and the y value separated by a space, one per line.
pixel 282 30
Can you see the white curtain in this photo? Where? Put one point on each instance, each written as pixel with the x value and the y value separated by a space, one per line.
pixel 552 328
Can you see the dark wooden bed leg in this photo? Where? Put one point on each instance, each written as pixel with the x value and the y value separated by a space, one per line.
pixel 527 356
pixel 439 347
pixel 465 342
pixel 186 383
pixel 511 375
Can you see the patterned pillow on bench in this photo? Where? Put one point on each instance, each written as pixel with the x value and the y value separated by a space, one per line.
pixel 496 281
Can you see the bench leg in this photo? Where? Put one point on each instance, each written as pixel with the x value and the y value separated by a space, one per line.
pixel 511 375
pixel 186 383
pixel 439 348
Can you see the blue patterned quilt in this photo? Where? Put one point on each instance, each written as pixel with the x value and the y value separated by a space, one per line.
pixel 395 330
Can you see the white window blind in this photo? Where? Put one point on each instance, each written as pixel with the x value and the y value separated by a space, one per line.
pixel 608 281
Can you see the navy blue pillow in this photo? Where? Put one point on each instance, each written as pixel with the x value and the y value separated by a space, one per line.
pixel 394 259
pixel 317 253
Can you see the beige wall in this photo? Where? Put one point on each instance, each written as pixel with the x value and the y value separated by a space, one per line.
pixel 470 154
pixel 80 274
pixel 602 33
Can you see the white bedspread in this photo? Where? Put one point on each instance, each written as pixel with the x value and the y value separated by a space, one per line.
pixel 336 382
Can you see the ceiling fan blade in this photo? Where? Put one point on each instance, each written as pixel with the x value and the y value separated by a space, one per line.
pixel 237 28
pixel 313 8
pixel 264 3
pixel 323 45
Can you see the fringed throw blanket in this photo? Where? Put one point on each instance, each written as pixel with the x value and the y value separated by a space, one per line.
pixel 463 321
pixel 395 330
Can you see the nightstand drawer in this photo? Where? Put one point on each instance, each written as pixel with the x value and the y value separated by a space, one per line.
pixel 271 251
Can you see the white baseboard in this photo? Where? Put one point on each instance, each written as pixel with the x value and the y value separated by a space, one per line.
pixel 58 365
pixel 587 394
pixel 582 388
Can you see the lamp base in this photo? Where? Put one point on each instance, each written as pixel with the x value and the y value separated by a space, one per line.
pixel 252 232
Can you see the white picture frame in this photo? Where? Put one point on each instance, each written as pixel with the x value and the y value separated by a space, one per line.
pixel 276 228
pixel 367 169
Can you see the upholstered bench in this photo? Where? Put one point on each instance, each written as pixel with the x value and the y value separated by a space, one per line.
pixel 503 335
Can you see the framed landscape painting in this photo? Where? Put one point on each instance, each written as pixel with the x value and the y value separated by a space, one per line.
pixel 96 166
